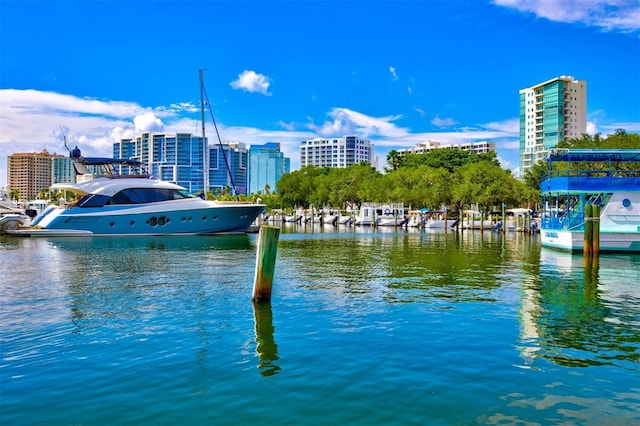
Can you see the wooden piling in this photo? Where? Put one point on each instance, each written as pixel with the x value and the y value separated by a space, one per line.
pixel 588 230
pixel 595 231
pixel 265 263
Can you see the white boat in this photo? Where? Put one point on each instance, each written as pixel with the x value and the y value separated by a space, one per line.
pixel 136 204
pixel 472 219
pixel 436 223
pixel 517 219
pixel 12 217
pixel 611 182
pixel 345 220
pixel 330 217
pixel 381 215
pixel 295 217
pixel 416 219
pixel 437 220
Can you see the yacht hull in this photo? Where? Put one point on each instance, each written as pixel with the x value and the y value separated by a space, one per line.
pixel 174 218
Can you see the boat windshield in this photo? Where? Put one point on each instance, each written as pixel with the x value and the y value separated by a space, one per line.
pixel 135 196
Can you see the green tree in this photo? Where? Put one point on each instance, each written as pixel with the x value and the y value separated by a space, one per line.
pixel 394 159
pixel 448 158
pixel 619 140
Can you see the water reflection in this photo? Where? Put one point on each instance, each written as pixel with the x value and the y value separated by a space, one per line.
pixel 582 312
pixel 406 266
pixel 266 346
pixel 143 243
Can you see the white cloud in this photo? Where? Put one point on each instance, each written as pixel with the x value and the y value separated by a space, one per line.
pixel 286 126
pixel 348 122
pixel 250 81
pixel 443 122
pixel 32 121
pixel 394 75
pixel 610 15
pixel 148 122
pixel 511 126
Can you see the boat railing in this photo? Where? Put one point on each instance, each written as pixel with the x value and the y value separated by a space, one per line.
pixel 590 174
pixel 573 222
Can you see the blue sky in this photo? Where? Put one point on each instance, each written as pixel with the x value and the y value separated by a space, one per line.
pixel 395 72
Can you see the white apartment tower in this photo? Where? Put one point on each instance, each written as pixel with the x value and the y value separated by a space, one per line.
pixel 339 152
pixel 550 112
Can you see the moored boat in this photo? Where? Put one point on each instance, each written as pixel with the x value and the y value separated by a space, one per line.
pixel 372 214
pixel 575 178
pixel 12 217
pixel 135 204
pixel 520 220
pixel 473 219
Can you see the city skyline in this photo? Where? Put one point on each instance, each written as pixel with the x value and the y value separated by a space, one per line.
pixel 395 73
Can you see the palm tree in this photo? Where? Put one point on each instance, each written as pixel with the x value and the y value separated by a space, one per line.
pixel 393 158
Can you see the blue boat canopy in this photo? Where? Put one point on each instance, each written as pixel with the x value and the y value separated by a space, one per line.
pixel 575 155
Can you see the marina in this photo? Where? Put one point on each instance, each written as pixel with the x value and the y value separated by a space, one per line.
pixel 367 325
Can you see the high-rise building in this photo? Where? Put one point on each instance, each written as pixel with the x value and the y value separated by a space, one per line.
pixel 172 158
pixel 337 152
pixel 228 163
pixel 62 170
pixel 266 165
pixel 179 159
pixel 30 173
pixel 550 112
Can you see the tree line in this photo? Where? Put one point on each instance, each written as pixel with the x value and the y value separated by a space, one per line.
pixel 445 177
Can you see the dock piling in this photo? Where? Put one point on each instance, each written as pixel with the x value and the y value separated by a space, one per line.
pixel 588 230
pixel 595 229
pixel 265 263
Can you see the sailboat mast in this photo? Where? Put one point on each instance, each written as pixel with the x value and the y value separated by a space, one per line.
pixel 205 147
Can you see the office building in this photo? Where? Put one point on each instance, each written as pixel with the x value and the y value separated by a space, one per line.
pixel 266 165
pixel 228 165
pixel 179 159
pixel 62 170
pixel 173 158
pixel 550 112
pixel 337 152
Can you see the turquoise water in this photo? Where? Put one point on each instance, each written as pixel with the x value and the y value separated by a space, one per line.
pixel 365 327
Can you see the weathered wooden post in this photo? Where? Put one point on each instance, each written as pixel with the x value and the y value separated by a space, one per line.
pixel 265 263
pixel 595 230
pixel 588 230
